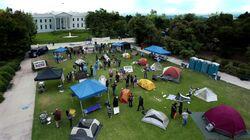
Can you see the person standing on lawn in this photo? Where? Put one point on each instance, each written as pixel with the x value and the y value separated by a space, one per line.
pixel 145 73
pixel 91 70
pixel 173 110
pixel 117 77
pixel 132 80
pixel 135 81
pixel 140 104
pixel 57 116
pixel 70 118
pixel 107 85
pixel 130 100
pixel 114 88
pixel 185 117
pixel 109 110
pixel 127 81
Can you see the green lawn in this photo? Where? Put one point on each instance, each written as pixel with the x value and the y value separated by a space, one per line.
pixel 127 125
pixel 57 36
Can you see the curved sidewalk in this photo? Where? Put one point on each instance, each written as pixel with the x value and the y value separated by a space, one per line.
pixel 18 107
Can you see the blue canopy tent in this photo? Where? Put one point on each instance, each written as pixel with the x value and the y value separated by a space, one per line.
pixel 60 50
pixel 87 89
pixel 117 44
pixel 157 50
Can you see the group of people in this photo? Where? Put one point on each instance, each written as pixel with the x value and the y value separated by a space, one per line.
pixel 58 117
pixel 180 112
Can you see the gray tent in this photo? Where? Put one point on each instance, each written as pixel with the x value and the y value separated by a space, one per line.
pixel 156 118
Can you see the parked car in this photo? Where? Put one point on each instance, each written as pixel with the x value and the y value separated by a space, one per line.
pixel 40 50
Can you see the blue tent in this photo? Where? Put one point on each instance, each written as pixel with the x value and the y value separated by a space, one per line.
pixel 87 89
pixel 157 50
pixel 60 50
pixel 117 44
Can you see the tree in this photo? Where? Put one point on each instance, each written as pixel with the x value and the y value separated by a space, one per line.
pixel 143 29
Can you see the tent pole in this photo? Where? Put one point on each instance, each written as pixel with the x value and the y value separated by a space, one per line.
pixel 81 108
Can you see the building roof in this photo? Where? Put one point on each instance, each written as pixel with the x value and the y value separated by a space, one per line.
pixel 52 14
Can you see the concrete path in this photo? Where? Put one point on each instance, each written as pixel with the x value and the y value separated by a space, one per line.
pixel 17 109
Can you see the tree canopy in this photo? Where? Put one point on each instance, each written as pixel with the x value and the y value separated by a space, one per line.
pixel 16 32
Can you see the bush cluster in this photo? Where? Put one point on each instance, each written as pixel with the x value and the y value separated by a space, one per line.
pixel 7 71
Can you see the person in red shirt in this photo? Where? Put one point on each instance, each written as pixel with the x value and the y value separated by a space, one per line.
pixel 57 116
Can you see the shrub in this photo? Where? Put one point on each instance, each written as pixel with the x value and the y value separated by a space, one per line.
pixel 1 97
pixel 8 69
pixel 5 75
pixel 15 64
pixel 3 86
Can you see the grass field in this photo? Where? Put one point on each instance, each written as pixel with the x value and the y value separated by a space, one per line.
pixel 57 36
pixel 127 125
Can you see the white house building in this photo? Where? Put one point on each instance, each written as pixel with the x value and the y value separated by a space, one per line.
pixel 59 21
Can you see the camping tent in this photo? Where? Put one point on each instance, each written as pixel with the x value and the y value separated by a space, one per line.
pixel 156 66
pixel 225 120
pixel 156 118
pixel 49 74
pixel 172 73
pixel 206 94
pixel 157 50
pixel 60 50
pixel 146 84
pixel 87 129
pixel 125 93
pixel 143 61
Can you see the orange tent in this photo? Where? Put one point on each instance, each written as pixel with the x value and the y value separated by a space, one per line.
pixel 124 96
pixel 143 61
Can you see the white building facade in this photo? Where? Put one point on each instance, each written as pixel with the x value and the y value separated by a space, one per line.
pixel 61 21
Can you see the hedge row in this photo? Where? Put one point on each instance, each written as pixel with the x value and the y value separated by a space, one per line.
pixel 7 71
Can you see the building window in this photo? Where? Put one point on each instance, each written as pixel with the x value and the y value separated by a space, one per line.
pixel 41 20
pixel 77 25
pixel 82 25
pixel 45 20
pixel 45 26
pixel 49 20
pixel 73 19
pixel 73 25
pixel 77 19
pixel 36 20
pixel 50 26
pixel 41 27
pixel 82 19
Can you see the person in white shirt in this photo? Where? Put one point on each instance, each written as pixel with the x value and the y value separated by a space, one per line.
pixel 184 117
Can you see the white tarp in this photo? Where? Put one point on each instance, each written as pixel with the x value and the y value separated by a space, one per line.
pixel 206 94
pixel 156 118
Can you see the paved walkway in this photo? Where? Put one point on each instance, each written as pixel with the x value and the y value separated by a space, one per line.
pixel 17 109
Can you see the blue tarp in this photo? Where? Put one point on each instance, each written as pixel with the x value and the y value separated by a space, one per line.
pixel 117 44
pixel 60 50
pixel 157 50
pixel 88 88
